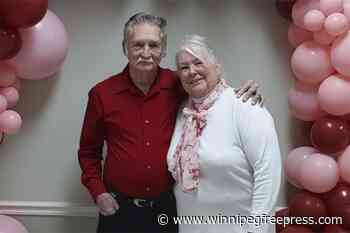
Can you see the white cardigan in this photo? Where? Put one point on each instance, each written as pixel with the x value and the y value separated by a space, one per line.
pixel 240 166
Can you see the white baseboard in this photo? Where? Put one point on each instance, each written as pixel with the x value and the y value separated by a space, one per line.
pixel 39 208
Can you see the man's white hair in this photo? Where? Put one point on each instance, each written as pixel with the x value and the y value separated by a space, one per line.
pixel 141 18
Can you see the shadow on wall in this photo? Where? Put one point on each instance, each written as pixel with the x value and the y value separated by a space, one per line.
pixel 277 28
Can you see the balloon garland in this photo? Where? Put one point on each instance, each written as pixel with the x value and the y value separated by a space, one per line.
pixel 33 46
pixel 319 32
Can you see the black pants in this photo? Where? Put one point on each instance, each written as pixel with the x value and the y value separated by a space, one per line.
pixel 130 218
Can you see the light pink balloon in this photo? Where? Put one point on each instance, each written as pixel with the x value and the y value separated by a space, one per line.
pixel 11 94
pixel 292 164
pixel 323 37
pixel 340 54
pixel 311 62
pixel 313 20
pixel 331 6
pixel 344 165
pixel 346 6
pixel 7 75
pixel 336 24
pixel 10 122
pixel 303 102
pixel 11 225
pixel 297 35
pixel 301 7
pixel 3 103
pixel 319 173
pixel 44 49
pixel 334 95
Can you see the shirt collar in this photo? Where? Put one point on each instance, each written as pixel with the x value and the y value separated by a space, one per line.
pixel 124 82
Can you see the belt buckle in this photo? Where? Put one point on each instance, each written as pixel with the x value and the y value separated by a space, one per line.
pixel 141 203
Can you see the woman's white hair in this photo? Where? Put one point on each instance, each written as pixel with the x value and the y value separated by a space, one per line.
pixel 198 47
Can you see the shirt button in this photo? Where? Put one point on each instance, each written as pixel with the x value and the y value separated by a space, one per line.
pixel 148 143
pixel 148 189
pixel 147 122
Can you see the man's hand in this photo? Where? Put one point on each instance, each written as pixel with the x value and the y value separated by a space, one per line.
pixel 106 204
pixel 250 90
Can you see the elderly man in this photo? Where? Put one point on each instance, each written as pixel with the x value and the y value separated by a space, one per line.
pixel 134 112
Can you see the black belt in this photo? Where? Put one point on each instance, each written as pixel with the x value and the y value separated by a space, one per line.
pixel 140 202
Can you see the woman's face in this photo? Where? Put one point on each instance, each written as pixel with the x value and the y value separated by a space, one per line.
pixel 198 77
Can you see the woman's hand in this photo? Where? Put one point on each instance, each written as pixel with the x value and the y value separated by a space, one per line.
pixel 250 90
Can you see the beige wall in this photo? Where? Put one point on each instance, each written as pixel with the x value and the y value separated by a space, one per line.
pixel 40 165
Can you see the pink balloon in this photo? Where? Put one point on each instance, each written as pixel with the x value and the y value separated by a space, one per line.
pixel 313 20
pixel 333 95
pixel 7 75
pixel 11 225
pixel 311 62
pixel 3 103
pixel 303 102
pixel 331 6
pixel 323 37
pixel 336 24
pixel 294 159
pixel 319 173
pixel 10 122
pixel 344 165
pixel 301 7
pixel 297 35
pixel 346 6
pixel 11 94
pixel 44 49
pixel 340 54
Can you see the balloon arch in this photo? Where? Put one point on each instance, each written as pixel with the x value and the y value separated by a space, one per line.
pixel 319 32
pixel 33 45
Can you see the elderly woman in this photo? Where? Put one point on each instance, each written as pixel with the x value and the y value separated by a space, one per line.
pixel 224 154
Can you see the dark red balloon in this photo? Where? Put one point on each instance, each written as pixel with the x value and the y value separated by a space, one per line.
pixel 335 229
pixel 330 134
pixel 337 199
pixel 284 8
pixel 281 213
pixel 22 13
pixel 344 213
pixel 10 43
pixel 307 204
pixel 297 229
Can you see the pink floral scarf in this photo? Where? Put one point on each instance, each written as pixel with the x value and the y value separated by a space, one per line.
pixel 185 166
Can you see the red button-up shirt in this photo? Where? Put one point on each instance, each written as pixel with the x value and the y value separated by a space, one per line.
pixel 137 129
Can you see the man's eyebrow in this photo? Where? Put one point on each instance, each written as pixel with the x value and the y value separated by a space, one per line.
pixel 183 63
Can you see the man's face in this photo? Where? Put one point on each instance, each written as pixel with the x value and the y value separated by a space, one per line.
pixel 144 47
